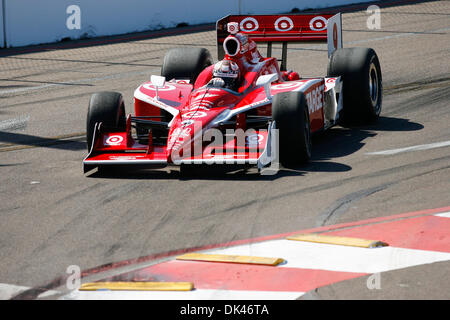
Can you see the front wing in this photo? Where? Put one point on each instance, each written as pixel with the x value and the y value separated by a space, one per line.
pixel 121 149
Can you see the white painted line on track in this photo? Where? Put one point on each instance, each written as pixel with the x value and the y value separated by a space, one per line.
pixel 127 74
pixel 394 36
pixel 14 124
pixel 197 294
pixel 75 82
pixel 307 255
pixel 411 149
pixel 8 291
pixel 443 215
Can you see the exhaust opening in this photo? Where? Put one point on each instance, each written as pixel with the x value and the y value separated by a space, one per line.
pixel 231 46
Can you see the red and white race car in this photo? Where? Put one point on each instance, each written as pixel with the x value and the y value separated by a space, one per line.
pixel 245 109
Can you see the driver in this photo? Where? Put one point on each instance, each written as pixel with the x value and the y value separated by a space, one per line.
pixel 225 75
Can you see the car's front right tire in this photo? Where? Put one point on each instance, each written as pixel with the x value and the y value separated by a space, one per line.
pixel 362 83
pixel 185 63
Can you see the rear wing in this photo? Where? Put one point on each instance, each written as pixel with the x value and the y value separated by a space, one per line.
pixel 322 28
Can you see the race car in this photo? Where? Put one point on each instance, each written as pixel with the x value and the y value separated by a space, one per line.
pixel 244 109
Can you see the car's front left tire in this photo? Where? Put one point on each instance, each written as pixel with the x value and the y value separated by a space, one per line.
pixel 109 109
pixel 291 115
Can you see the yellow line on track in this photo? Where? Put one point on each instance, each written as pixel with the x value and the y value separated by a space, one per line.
pixel 138 286
pixel 231 259
pixel 343 241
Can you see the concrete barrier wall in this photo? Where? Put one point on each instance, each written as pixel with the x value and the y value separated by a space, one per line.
pixel 45 21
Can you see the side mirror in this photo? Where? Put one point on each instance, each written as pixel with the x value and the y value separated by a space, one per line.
pixel 265 81
pixel 157 82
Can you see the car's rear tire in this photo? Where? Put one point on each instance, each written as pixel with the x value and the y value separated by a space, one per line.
pixel 362 84
pixel 291 115
pixel 185 63
pixel 108 108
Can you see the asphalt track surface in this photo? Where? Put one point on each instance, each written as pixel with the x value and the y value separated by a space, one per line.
pixel 54 216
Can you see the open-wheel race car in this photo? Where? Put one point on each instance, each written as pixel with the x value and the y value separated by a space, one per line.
pixel 244 109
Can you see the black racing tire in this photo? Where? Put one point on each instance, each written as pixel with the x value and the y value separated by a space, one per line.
pixel 291 115
pixel 108 108
pixel 362 84
pixel 185 63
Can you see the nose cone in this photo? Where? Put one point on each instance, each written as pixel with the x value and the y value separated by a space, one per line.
pixel 203 111
pixel 185 135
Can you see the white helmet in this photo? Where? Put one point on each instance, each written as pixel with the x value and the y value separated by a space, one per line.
pixel 228 71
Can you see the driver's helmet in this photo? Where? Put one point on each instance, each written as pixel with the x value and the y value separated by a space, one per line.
pixel 228 71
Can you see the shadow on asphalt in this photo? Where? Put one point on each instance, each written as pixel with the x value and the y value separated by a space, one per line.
pixel 335 143
pixel 22 139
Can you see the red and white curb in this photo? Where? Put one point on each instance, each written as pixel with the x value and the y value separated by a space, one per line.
pixel 414 239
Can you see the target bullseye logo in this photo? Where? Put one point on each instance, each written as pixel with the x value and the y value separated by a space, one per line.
pixel 288 85
pixel 233 27
pixel 114 140
pixel 167 87
pixel 249 24
pixel 254 139
pixel 195 114
pixel 318 23
pixel 335 36
pixel 284 24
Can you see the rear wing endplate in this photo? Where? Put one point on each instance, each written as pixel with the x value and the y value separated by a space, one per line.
pixel 306 28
